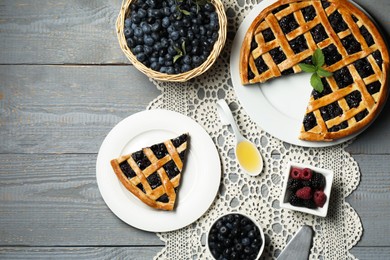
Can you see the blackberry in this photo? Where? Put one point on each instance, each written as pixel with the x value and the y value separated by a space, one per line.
pixel 310 204
pixel 295 201
pixel 294 184
pixel 317 181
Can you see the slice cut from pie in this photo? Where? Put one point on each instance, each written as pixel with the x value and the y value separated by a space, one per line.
pixel 289 31
pixel 153 173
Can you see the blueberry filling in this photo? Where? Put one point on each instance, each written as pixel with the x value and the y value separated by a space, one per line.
pixel 331 111
pixel 331 55
pixel 309 13
pixel 268 35
pixel 319 33
pixel 253 44
pixel 351 44
pixel 298 44
pixel 378 58
pixel 126 169
pixel 141 187
pixel 309 121
pixel 182 155
pixel 343 77
pixel 159 150
pixel 163 198
pixel 179 140
pixel 287 72
pixel 260 65
pixel 339 127
pixel 359 116
pixel 325 4
pixel 280 8
pixel 353 99
pixel 367 35
pixel 141 160
pixel 277 55
pixel 308 60
pixel 171 169
pixel 154 180
pixel 363 67
pixel 250 74
pixel 288 23
pixel 374 87
pixel 337 22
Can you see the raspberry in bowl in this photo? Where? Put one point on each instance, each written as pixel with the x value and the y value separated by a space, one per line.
pixel 306 188
pixel 235 236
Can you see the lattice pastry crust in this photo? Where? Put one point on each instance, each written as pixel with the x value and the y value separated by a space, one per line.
pixel 153 173
pixel 288 32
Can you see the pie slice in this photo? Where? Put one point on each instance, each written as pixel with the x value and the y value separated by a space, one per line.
pixel 289 31
pixel 153 173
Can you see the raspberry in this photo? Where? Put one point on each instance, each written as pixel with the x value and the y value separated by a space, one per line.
pixel 317 181
pixel 295 173
pixel 295 201
pixel 319 198
pixel 304 193
pixel 306 174
pixel 294 184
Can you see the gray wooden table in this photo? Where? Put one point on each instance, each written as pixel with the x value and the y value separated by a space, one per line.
pixel 64 83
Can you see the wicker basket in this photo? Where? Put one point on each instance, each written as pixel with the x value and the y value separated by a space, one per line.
pixel 182 77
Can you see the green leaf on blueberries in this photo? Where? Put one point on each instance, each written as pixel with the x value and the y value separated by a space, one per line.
pixel 324 73
pixel 316 82
pixel 318 58
pixel 307 67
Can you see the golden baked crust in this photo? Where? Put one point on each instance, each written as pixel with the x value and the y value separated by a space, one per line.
pixel 354 51
pixel 164 167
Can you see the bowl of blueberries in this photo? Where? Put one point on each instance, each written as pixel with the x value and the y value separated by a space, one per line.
pixel 172 40
pixel 235 236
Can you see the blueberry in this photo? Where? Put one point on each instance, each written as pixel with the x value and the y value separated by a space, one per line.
pixel 138 49
pixel 156 26
pixel 127 22
pixel 130 43
pixel 185 68
pixel 155 66
pixel 146 28
pixel 141 56
pixel 175 35
pixel 138 32
pixel 148 40
pixel 148 50
pixel 170 70
pixel 166 22
pixel 172 50
pixel 128 32
pixel 187 59
pixel 164 42
pixel 142 13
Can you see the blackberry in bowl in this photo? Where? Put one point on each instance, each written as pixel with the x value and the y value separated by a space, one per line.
pixel 172 40
pixel 235 236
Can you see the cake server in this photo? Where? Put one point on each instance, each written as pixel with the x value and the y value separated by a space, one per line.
pixel 299 246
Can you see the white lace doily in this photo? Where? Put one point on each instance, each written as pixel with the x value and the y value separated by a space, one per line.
pixel 258 196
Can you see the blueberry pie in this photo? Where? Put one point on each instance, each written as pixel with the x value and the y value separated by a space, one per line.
pixel 288 32
pixel 153 173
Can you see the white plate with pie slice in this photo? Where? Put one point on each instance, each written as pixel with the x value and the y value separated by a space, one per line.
pixel 277 106
pixel 200 178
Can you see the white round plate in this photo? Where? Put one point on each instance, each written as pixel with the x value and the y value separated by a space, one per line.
pixel 277 106
pixel 200 179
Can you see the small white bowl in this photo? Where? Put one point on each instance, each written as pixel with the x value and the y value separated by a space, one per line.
pixel 328 174
pixel 245 215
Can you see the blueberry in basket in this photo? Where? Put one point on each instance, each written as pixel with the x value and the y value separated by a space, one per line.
pixel 235 236
pixel 171 36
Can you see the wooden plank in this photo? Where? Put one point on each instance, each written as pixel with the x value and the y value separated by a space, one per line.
pixel 371 200
pixel 67 109
pixel 53 200
pixel 370 253
pixel 58 32
pixel 136 253
pixel 72 31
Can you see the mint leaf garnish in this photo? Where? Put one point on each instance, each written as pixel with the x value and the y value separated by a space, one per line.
pixel 307 67
pixel 316 82
pixel 324 73
pixel 318 60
